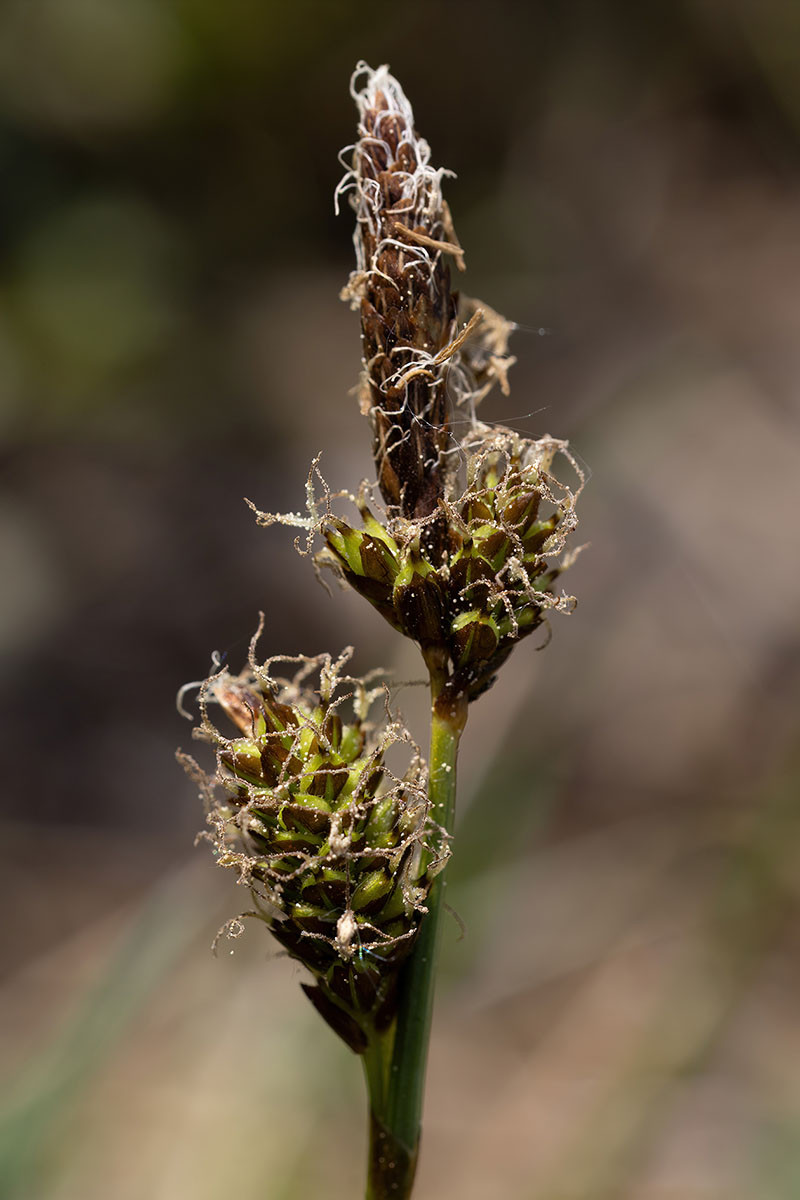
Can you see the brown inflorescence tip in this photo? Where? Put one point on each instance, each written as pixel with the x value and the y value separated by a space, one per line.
pixel 402 287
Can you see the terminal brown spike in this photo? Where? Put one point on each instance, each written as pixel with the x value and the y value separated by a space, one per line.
pixel 402 284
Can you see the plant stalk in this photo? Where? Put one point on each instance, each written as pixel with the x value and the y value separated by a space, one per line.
pixel 395 1064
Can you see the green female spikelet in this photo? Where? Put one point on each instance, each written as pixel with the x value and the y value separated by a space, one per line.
pixel 492 583
pixel 337 850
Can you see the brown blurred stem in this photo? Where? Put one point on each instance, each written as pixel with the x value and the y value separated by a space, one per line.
pixel 395 1062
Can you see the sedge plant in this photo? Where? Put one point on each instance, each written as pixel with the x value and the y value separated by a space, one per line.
pixel 458 544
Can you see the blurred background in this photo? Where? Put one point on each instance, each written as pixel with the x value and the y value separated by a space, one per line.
pixel 620 1018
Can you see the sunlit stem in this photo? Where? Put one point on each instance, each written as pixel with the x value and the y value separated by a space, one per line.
pixel 396 1061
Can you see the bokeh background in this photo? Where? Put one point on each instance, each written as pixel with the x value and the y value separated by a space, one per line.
pixel 620 1018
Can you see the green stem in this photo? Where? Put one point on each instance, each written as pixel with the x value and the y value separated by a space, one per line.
pixel 395 1065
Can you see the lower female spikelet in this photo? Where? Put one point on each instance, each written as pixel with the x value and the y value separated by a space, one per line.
pixel 336 849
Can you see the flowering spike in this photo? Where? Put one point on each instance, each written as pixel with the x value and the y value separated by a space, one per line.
pixel 402 287
pixel 461 563
pixel 487 579
pixel 337 851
